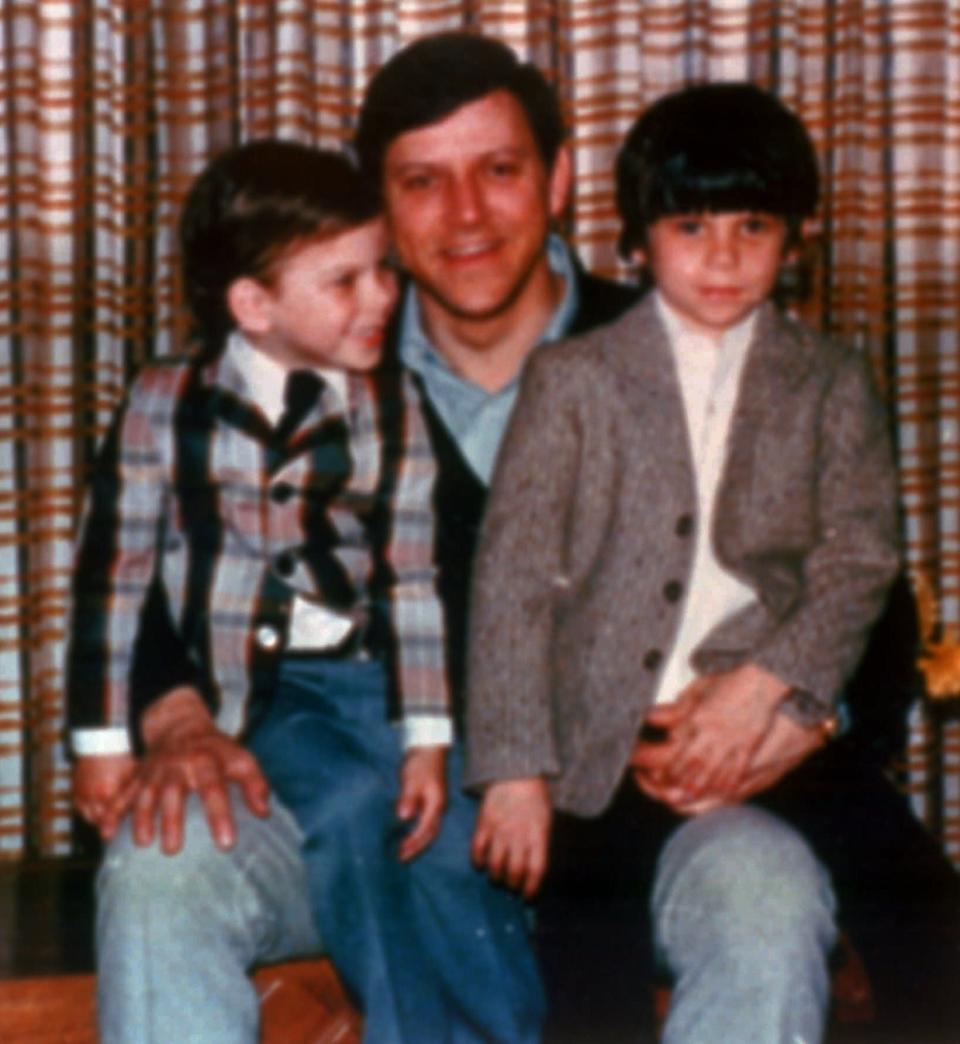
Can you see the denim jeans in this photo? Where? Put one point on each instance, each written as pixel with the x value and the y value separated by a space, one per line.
pixel 434 953
pixel 176 935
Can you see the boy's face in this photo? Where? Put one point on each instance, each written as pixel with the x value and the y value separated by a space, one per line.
pixel 470 203
pixel 327 304
pixel 713 269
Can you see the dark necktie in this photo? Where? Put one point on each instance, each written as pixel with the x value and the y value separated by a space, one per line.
pixel 300 393
pixel 330 469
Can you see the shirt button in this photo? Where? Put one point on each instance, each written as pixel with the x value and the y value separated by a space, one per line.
pixel 684 526
pixel 285 563
pixel 267 637
pixel 281 492
pixel 672 590
pixel 653 659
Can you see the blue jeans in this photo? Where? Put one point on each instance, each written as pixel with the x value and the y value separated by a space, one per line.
pixel 176 935
pixel 434 953
pixel 732 905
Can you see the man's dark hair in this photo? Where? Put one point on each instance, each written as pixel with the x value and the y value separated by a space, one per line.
pixel 714 148
pixel 250 206
pixel 434 76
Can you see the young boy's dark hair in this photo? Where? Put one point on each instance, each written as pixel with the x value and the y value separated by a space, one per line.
pixel 713 148
pixel 435 76
pixel 248 208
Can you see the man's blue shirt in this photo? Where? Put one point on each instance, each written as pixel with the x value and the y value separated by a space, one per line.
pixel 475 417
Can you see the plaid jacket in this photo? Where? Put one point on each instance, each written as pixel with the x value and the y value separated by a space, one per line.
pixel 182 489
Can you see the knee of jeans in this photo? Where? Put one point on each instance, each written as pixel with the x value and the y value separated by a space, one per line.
pixel 145 874
pixel 742 871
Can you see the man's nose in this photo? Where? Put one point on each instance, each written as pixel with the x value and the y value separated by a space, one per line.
pixel 466 201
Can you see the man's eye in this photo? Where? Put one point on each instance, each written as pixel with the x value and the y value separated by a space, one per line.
pixel 504 169
pixel 689 228
pixel 345 281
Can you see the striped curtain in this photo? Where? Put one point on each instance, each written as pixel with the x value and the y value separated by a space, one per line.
pixel 110 107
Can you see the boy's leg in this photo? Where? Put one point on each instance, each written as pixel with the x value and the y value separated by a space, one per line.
pixel 329 751
pixel 176 935
pixel 477 933
pixel 743 918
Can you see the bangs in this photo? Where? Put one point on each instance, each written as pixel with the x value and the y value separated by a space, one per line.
pixel 711 182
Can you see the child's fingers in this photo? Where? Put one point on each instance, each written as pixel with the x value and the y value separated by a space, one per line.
pixel 427 805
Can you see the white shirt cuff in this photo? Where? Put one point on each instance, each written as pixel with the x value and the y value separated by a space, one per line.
pixel 427 731
pixel 93 742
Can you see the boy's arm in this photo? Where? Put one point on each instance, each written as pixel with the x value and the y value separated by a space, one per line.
pixel 519 575
pixel 426 722
pixel 848 572
pixel 115 564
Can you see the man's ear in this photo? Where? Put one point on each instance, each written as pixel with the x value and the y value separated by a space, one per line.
pixel 558 187
pixel 250 303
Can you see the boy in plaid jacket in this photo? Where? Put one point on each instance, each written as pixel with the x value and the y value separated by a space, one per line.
pixel 274 490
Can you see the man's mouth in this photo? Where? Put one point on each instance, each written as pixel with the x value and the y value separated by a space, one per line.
pixel 468 252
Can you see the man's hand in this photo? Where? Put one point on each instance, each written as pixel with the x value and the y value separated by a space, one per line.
pixel 713 732
pixel 423 796
pixel 185 753
pixel 512 831
pixel 786 745
pixel 97 780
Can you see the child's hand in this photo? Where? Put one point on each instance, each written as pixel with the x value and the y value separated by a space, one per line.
pixel 511 837
pixel 423 795
pixel 97 782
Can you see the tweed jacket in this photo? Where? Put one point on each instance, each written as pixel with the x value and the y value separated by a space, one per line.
pixel 184 491
pixel 588 542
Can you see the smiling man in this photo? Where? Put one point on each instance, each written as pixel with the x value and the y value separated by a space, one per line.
pixel 467 144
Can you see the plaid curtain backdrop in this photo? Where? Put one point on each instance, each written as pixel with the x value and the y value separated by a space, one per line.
pixel 110 107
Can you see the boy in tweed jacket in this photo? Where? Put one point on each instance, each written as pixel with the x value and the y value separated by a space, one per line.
pixel 691 529
pixel 276 490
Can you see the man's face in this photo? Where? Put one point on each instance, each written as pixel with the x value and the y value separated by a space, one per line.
pixel 714 269
pixel 469 202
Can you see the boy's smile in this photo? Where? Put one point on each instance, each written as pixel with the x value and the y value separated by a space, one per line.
pixel 713 269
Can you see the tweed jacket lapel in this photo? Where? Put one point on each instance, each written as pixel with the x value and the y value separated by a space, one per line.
pixel 640 355
pixel 778 361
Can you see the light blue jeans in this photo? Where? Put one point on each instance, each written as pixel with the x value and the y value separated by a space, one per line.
pixel 434 952
pixel 743 918
pixel 176 935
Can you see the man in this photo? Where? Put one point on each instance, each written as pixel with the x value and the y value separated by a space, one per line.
pixel 474 174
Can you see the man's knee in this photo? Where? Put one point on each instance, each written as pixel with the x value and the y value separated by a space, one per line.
pixel 742 872
pixel 254 888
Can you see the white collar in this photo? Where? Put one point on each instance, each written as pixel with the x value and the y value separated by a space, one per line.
pixel 265 378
